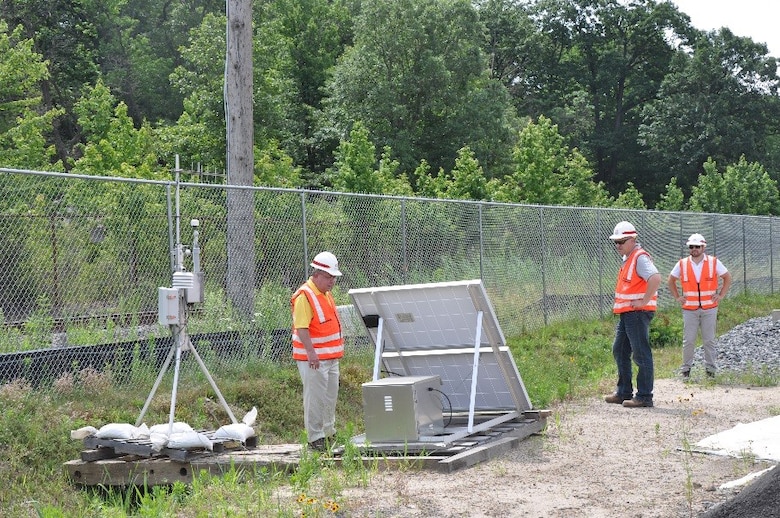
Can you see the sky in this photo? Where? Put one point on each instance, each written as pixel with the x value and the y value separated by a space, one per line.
pixel 755 19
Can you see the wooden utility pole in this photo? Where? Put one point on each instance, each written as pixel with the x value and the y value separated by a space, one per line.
pixel 240 157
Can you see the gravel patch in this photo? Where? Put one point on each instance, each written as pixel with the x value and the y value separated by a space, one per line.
pixel 753 345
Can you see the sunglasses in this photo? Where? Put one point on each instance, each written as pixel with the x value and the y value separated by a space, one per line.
pixel 694 246
pixel 621 242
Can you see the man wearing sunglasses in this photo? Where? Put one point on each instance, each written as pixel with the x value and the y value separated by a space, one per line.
pixel 636 293
pixel 699 275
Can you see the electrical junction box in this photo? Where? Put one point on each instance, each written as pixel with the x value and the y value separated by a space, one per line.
pixel 402 409
pixel 168 306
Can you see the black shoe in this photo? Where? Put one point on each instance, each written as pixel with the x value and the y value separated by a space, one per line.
pixel 318 445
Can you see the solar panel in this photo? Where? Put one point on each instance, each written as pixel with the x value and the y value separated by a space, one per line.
pixel 449 330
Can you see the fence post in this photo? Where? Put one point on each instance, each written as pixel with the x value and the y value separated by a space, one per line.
pixel 543 266
pixel 481 245
pixel 744 257
pixel 405 253
pixel 56 301
pixel 601 246
pixel 771 257
pixel 305 236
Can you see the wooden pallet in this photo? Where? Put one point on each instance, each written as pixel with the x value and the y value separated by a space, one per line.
pixel 98 449
pixel 131 470
pixel 127 463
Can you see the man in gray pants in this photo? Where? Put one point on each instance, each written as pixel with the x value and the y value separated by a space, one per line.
pixel 699 275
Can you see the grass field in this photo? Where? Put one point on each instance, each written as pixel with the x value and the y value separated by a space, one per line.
pixel 566 360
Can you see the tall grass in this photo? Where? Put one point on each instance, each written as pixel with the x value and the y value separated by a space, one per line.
pixel 562 361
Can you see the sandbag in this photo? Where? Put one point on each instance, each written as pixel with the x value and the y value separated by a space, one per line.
pixel 122 431
pixel 236 431
pixel 166 429
pixel 83 433
pixel 189 441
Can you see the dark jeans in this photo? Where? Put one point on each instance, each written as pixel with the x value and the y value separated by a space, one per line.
pixel 632 340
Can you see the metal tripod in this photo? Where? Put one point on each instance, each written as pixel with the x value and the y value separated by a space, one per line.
pixel 187 289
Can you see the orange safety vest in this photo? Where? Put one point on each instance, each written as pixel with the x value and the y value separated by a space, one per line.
pixel 631 286
pixel 324 329
pixel 699 294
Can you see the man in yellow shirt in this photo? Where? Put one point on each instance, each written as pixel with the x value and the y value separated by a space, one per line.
pixel 318 345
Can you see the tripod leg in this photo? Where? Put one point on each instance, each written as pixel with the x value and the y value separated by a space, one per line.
pixel 213 384
pixel 157 382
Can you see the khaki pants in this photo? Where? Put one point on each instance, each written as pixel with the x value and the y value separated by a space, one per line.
pixel 320 393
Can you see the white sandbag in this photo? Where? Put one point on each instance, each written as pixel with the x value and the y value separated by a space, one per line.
pixel 142 432
pixel 189 440
pixel 122 431
pixel 83 432
pixel 249 418
pixel 165 428
pixel 236 431
pixel 158 440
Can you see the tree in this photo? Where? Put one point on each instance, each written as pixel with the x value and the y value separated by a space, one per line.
pixel 354 169
pixel 468 178
pixel 23 122
pixel 316 32
pixel 113 147
pixel 417 78
pixel 616 54
pixel 630 198
pixel 139 50
pixel 547 172
pixel 466 181
pixel 67 35
pixel 673 199
pixel 719 101
pixel 743 188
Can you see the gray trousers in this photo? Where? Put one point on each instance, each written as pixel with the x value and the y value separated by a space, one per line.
pixel 693 321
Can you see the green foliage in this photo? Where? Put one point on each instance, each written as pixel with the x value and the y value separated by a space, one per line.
pixel 355 167
pixel 199 134
pixel 630 198
pixel 23 121
pixel 114 147
pixel 415 76
pixel 673 199
pixel 605 61
pixel 718 101
pixel 742 188
pixel 274 168
pixel 547 172
pixel 466 181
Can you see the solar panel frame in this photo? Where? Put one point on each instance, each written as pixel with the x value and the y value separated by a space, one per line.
pixel 448 329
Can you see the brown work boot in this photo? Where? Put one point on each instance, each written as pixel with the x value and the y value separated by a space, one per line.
pixel 637 403
pixel 614 398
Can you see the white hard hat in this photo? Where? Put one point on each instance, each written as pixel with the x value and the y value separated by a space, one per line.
pixel 623 230
pixel 696 240
pixel 326 262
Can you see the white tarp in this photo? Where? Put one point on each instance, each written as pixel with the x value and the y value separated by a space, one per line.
pixel 760 439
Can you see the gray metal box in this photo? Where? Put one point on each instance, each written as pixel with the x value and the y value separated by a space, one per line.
pixel 402 408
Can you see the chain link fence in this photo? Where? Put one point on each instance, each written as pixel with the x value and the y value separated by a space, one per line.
pixel 82 257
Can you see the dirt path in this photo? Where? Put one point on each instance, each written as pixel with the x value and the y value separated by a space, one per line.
pixel 595 460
